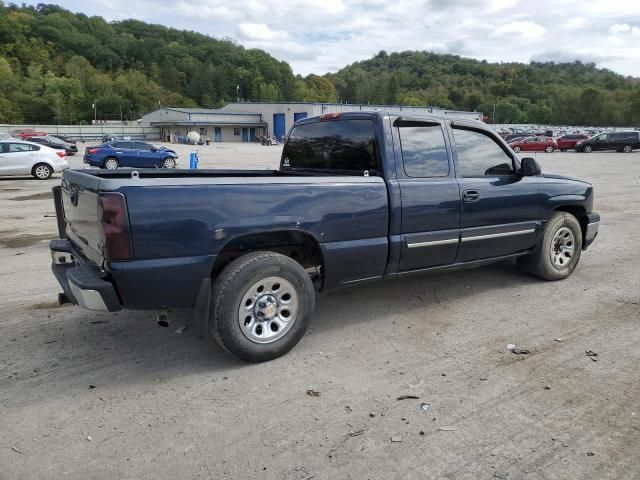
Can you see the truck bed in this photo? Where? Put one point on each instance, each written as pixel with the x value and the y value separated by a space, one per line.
pixel 180 220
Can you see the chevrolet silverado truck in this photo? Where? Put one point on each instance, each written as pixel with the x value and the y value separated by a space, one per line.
pixel 358 197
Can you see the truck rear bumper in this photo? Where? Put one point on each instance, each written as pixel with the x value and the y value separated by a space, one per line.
pixel 83 284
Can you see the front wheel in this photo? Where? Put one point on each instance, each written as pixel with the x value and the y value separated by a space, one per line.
pixel 516 149
pixel 169 162
pixel 261 306
pixel 549 149
pixel 558 253
pixel 587 149
pixel 627 149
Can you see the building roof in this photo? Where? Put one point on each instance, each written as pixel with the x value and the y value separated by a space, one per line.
pixel 206 111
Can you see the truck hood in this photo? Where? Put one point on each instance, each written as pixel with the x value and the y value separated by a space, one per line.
pixel 557 176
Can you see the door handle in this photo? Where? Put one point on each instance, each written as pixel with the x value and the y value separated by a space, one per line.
pixel 470 196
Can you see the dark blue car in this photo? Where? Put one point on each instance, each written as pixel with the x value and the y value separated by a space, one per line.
pixel 127 153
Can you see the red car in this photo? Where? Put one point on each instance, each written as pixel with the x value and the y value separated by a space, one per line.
pixel 23 133
pixel 567 142
pixel 534 144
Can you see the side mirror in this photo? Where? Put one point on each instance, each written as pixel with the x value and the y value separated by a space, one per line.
pixel 529 167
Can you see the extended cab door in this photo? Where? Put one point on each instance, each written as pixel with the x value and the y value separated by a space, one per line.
pixel 430 196
pixel 500 208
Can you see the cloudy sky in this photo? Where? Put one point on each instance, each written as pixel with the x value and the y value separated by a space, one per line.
pixel 317 36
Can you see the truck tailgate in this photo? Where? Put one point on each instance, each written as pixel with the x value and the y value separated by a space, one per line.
pixel 80 203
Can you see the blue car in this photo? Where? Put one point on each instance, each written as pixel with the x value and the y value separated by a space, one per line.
pixel 123 153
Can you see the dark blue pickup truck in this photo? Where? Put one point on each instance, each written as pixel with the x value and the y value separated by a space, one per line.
pixel 358 197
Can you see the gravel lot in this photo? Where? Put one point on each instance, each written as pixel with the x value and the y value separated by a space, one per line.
pixel 86 395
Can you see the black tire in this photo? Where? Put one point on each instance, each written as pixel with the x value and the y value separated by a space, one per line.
pixel 232 286
pixel 42 171
pixel 587 149
pixel 111 163
pixel 540 262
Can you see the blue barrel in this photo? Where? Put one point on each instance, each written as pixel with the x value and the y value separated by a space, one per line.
pixel 193 160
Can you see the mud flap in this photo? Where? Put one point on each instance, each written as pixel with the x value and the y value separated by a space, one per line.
pixel 200 312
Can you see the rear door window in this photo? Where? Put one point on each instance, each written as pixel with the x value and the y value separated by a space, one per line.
pixel 141 146
pixel 339 145
pixel 424 152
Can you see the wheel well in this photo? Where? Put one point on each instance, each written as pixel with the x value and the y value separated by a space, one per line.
pixel 300 246
pixel 578 212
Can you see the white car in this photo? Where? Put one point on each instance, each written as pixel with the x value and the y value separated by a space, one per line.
pixel 18 157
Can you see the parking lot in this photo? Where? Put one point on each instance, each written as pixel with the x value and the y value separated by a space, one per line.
pixel 89 395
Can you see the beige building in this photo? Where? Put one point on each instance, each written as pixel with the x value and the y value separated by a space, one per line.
pixel 246 121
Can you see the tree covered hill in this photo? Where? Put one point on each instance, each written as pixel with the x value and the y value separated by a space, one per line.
pixel 566 93
pixel 54 64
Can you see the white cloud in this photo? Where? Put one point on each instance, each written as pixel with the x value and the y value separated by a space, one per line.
pixel 260 31
pixel 619 28
pixel 527 29
pixel 575 22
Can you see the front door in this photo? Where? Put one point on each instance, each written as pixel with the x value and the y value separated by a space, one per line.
pixel 500 208
pixel 430 197
pixel 252 134
pixel 146 157
pixel 218 134
pixel 245 134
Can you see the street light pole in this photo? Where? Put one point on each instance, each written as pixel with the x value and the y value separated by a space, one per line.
pixel 95 112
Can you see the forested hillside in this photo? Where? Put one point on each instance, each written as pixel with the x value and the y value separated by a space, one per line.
pixel 568 93
pixel 54 64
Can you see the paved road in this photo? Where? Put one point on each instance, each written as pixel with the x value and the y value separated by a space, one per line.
pixel 85 395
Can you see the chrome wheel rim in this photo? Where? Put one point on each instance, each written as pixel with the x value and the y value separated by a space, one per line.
pixel 42 172
pixel 562 248
pixel 111 164
pixel 587 149
pixel 549 149
pixel 516 149
pixel 627 149
pixel 169 163
pixel 268 310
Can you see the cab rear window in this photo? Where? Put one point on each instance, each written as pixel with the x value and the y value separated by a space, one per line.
pixel 334 145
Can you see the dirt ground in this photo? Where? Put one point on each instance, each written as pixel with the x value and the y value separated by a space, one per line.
pixel 93 396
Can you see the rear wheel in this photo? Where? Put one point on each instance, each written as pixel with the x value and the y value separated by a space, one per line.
pixel 169 162
pixel 261 306
pixel 42 171
pixel 516 149
pixel 111 163
pixel 549 149
pixel 558 253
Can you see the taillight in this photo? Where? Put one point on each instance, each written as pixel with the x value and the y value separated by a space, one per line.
pixel 330 116
pixel 93 151
pixel 114 221
pixel 61 154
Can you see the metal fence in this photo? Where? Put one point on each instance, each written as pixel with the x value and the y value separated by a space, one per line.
pixel 91 132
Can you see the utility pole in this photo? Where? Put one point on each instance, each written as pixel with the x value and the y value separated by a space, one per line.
pixel 95 112
pixel 237 93
pixel 494 113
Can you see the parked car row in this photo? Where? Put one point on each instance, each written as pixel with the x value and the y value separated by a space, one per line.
pixel 618 141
